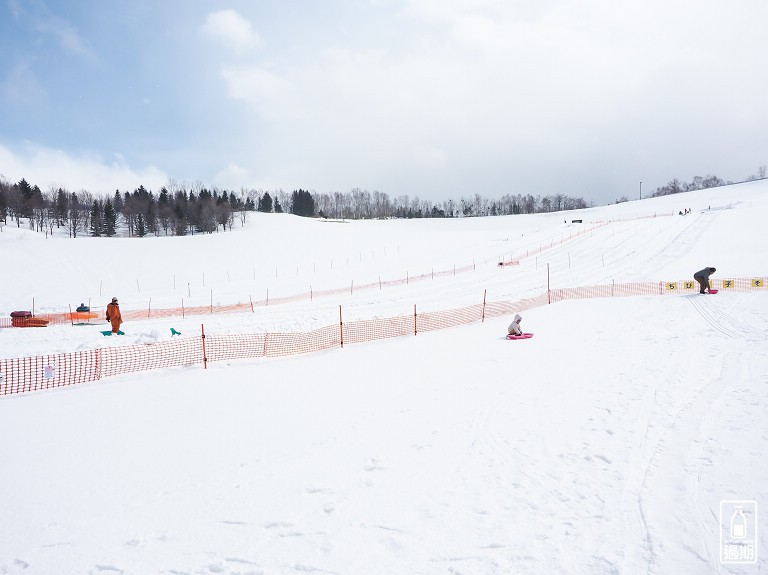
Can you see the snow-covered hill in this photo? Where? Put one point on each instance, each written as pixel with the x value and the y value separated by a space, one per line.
pixel 605 444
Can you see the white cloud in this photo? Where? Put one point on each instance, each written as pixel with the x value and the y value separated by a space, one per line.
pixel 231 30
pixel 47 167
pixel 268 93
pixel 69 38
pixel 23 88
pixel 233 177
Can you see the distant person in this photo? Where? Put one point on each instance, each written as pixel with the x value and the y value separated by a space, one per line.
pixel 113 315
pixel 514 327
pixel 702 276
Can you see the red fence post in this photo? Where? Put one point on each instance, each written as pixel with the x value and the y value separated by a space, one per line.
pixel 205 358
pixel 549 296
pixel 485 291
pixel 414 319
pixel 341 328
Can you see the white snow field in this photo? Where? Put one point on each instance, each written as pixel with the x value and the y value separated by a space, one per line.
pixel 605 444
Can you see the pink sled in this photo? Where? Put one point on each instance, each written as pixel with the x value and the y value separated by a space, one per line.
pixel 521 336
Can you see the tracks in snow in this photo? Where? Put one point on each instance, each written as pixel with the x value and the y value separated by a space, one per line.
pixel 722 322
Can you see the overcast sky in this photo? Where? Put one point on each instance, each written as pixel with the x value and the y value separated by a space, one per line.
pixel 434 99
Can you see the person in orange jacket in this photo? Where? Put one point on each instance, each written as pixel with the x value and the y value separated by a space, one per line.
pixel 113 315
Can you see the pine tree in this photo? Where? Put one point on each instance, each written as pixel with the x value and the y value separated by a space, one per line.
pixel 3 204
pixel 117 203
pixel 61 207
pixel 26 198
pixel 97 219
pixel 141 228
pixel 302 203
pixel 110 219
pixel 265 203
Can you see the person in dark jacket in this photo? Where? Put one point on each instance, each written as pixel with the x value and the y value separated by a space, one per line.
pixel 113 315
pixel 702 276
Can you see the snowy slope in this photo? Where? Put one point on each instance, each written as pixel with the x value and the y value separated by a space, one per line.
pixel 603 445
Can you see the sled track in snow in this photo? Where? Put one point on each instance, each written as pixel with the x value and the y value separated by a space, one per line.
pixel 722 322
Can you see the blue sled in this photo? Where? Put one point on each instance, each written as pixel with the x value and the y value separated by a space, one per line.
pixel 110 333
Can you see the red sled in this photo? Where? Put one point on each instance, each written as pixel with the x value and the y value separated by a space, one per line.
pixel 521 336
pixel 713 291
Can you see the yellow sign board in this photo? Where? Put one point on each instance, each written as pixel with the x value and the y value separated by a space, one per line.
pixel 688 285
pixel 728 284
pixel 758 283
pixel 671 285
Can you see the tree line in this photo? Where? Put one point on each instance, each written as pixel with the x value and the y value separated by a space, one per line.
pixel 675 186
pixel 141 212
pixel 184 209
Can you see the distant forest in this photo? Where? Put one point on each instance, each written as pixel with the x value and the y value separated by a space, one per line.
pixel 181 209
pixel 185 210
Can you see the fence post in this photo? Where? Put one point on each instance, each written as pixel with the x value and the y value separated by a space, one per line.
pixel 182 307
pixel 341 328
pixel 99 364
pixel 549 294
pixel 414 319
pixel 250 299
pixel 485 291
pixel 149 307
pixel 205 358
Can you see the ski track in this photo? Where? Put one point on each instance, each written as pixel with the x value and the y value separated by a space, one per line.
pixel 723 322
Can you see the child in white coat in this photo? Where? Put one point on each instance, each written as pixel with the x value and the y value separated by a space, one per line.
pixel 514 327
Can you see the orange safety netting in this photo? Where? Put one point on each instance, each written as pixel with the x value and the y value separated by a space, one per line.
pixel 41 320
pixel 19 375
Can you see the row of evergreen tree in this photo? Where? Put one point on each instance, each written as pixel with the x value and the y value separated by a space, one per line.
pixel 189 209
pixel 182 209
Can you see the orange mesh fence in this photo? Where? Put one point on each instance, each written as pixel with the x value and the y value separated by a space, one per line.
pixel 157 355
pixel 252 346
pixel 608 290
pixel 40 320
pixel 443 319
pixel 502 308
pixel 380 328
pixel 20 375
